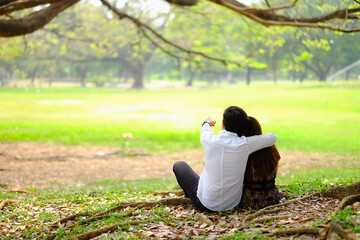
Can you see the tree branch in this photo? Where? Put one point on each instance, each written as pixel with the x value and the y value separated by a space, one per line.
pixel 267 3
pixel 183 2
pixel 4 2
pixel 22 4
pixel 144 27
pixel 266 18
pixel 34 21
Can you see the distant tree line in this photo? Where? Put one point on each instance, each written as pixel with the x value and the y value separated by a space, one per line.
pixel 88 43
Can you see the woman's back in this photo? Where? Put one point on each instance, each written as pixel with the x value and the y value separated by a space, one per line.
pixel 259 181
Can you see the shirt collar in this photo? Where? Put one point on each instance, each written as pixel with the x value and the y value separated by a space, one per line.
pixel 228 133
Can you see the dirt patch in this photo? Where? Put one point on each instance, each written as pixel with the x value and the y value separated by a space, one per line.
pixel 44 165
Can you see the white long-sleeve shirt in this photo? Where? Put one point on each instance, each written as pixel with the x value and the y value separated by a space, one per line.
pixel 221 183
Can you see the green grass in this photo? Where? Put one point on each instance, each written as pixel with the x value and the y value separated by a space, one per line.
pixel 309 117
pixel 317 180
pixel 39 206
pixel 347 217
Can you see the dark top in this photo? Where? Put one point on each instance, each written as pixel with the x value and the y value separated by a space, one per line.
pixel 259 192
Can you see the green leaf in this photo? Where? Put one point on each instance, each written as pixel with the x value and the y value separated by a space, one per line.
pixel 197 43
pixel 63 49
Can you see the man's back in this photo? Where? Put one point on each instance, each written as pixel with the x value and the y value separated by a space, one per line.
pixel 226 154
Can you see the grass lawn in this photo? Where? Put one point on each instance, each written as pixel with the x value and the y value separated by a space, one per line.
pixel 308 118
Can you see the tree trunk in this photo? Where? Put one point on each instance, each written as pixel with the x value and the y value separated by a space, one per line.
pixel 138 75
pixel 51 78
pixel 248 75
pixel 325 71
pixel 33 76
pixel 191 76
pixel 178 67
pixel 83 79
pixel 347 75
pixel 322 76
pixel 274 68
pixel 275 76
pixel 292 76
pixel 302 76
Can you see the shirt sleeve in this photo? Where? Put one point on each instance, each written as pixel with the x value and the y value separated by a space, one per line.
pixel 206 132
pixel 261 141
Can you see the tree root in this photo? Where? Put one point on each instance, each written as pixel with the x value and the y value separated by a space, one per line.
pixel 261 220
pixel 337 229
pixel 7 201
pixel 204 219
pixel 294 231
pixel 107 229
pixel 102 214
pixel 277 207
pixel 19 191
pixel 285 195
pixel 341 192
pixel 163 193
pixel 261 212
pixel 348 201
pixel 163 201
pixel 65 219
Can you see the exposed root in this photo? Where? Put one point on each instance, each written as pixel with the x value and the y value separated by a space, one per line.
pixel 163 201
pixel 99 217
pixel 102 214
pixel 276 206
pixel 337 229
pixel 6 201
pixel 341 192
pixel 68 218
pixel 261 212
pixel 267 219
pixel 285 195
pixel 163 193
pixel 348 201
pixel 107 229
pixel 294 231
pixel 18 190
pixel 204 219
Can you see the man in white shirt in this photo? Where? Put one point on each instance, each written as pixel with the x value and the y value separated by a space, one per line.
pixel 220 185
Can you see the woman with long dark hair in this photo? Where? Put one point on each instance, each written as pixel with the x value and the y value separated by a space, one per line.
pixel 259 182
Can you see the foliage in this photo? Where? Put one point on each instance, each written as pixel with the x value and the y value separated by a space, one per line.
pixel 348 218
pixel 85 34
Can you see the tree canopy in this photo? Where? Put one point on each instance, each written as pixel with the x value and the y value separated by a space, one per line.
pixel 123 36
pixel 342 16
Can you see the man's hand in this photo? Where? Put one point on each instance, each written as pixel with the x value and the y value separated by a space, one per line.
pixel 212 122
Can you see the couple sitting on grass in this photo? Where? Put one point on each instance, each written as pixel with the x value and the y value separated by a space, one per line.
pixel 240 166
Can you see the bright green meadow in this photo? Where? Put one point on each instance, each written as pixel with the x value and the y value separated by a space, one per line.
pixel 308 118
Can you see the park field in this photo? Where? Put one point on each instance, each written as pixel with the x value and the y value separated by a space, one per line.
pixel 318 131
pixel 308 117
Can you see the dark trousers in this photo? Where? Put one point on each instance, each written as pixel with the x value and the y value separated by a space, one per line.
pixel 188 180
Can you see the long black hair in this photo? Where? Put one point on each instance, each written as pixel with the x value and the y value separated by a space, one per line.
pixel 263 161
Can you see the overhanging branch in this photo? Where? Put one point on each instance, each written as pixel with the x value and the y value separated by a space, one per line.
pixel 183 2
pixel 273 19
pixel 145 27
pixel 34 21
pixel 18 5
